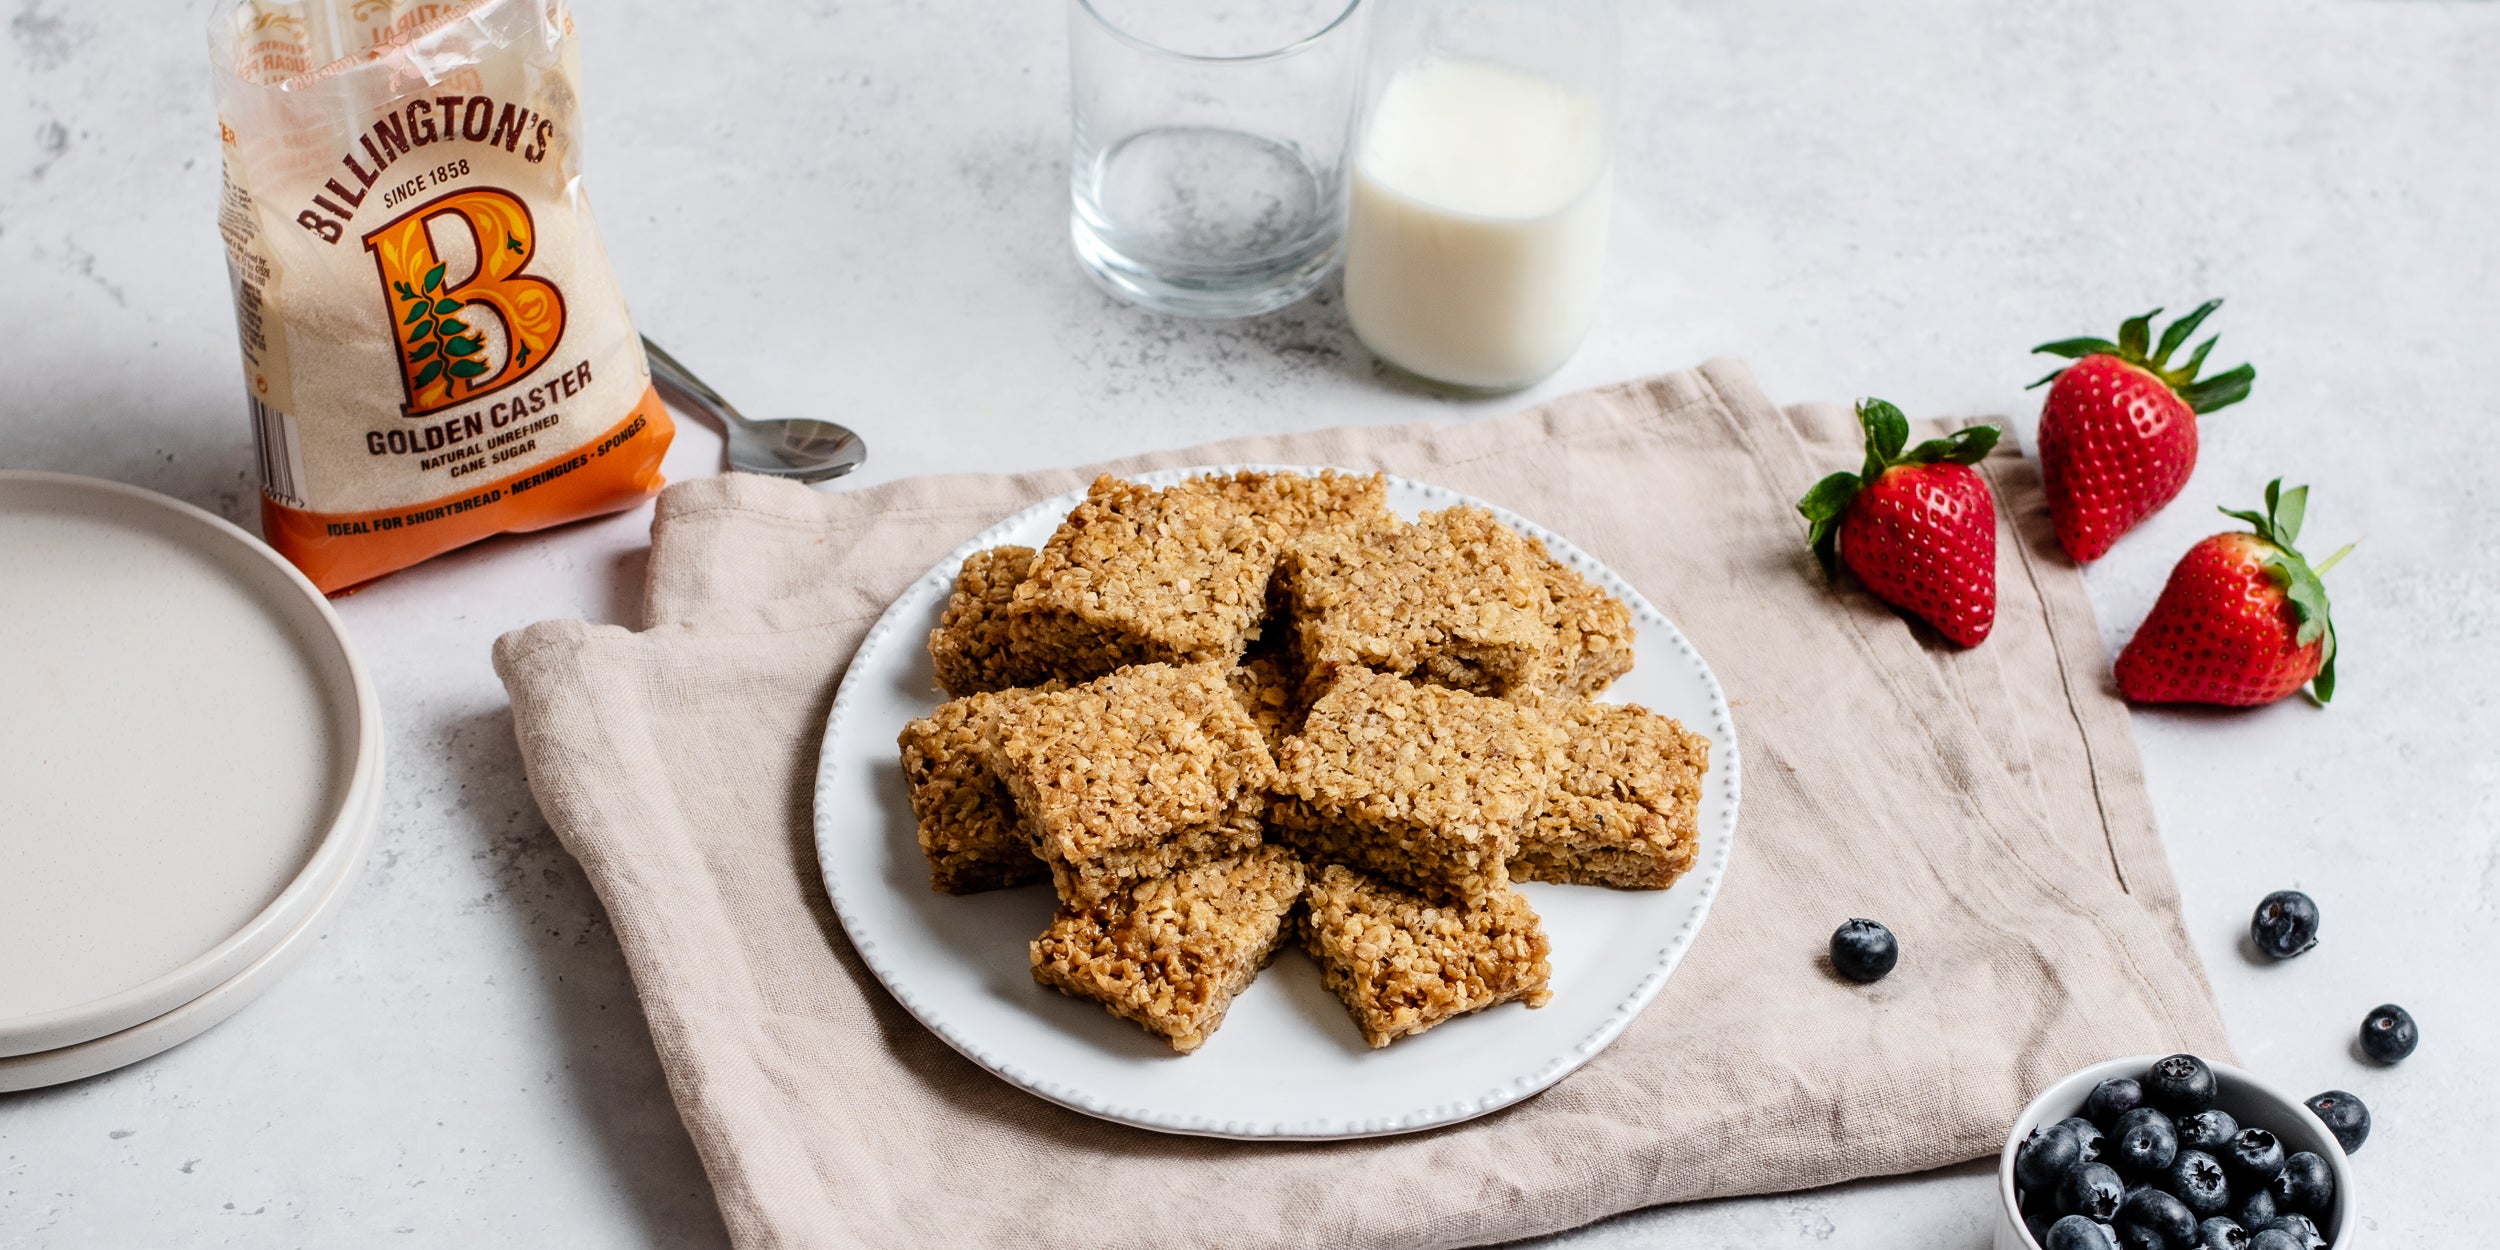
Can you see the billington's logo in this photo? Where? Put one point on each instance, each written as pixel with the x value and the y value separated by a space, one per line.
pixel 447 354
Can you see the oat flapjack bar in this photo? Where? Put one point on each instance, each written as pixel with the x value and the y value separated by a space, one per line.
pixel 1428 787
pixel 1624 809
pixel 1171 953
pixel 1457 597
pixel 1593 632
pixel 1130 775
pixel 1402 964
pixel 968 824
pixel 970 646
pixel 1145 575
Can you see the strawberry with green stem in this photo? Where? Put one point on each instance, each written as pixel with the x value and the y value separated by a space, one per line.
pixel 1916 527
pixel 2243 619
pixel 2118 432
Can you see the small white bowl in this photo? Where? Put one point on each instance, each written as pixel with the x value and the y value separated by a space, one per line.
pixel 2247 1099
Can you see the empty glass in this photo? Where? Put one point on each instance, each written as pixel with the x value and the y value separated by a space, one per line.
pixel 1207 173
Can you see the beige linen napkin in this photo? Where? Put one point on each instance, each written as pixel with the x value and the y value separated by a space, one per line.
pixel 1987 804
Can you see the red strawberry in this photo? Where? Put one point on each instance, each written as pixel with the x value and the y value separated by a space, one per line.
pixel 1918 529
pixel 2118 433
pixel 2243 620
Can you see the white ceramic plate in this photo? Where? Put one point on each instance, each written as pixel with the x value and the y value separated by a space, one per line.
pixel 1287 1063
pixel 189 753
pixel 154 1037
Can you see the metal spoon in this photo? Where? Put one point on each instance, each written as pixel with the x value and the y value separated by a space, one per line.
pixel 801 448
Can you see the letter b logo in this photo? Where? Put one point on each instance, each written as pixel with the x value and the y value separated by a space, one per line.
pixel 447 353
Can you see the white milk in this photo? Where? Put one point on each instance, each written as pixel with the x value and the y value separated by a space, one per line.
pixel 1477 230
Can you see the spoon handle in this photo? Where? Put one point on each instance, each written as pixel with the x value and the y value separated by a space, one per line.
pixel 666 371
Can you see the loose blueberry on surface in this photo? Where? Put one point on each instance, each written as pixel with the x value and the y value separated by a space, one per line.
pixel 2166 1219
pixel 2222 1234
pixel 2304 1232
pixel 2286 924
pixel 2253 1158
pixel 2180 1085
pixel 2305 1185
pixel 2111 1099
pixel 2345 1116
pixel 2074 1232
pixel 2275 1239
pixel 2256 1208
pixel 2388 1033
pixel 2147 1142
pixel 2196 1179
pixel 1864 951
pixel 2046 1156
pixel 2088 1137
pixel 2092 1190
pixel 2208 1130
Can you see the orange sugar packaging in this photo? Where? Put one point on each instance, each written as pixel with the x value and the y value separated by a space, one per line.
pixel 434 347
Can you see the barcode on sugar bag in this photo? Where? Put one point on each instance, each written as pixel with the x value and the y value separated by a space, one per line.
pixel 281 454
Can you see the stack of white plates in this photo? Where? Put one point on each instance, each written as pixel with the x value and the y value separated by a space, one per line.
pixel 190 763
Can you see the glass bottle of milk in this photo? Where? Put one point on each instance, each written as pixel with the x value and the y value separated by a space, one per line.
pixel 1476 227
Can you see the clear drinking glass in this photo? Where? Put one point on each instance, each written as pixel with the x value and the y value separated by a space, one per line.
pixel 1482 186
pixel 1208 168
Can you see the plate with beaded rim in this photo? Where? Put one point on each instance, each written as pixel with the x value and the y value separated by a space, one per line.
pixel 1287 1064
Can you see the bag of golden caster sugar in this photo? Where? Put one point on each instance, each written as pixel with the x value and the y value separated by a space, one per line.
pixel 433 345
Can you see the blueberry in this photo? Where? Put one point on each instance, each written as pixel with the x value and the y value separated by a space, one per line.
pixel 2157 1219
pixel 2221 1234
pixel 2345 1116
pixel 2045 1156
pixel 2147 1142
pixel 2256 1208
pixel 2305 1184
pixel 2088 1137
pixel 1864 951
pixel 2131 1237
pixel 2275 1239
pixel 2304 1232
pixel 2253 1158
pixel 2208 1130
pixel 2090 1189
pixel 2388 1034
pixel 2197 1180
pixel 2037 1224
pixel 2180 1085
pixel 2111 1099
pixel 2077 1233
pixel 2285 925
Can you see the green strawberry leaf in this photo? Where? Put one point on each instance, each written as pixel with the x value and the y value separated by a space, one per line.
pixel 467 368
pixel 421 332
pixel 2052 376
pixel 1886 432
pixel 2322 686
pixel 2179 331
pixel 429 373
pixel 2219 391
pixel 453 325
pixel 1965 446
pixel 421 353
pixel 434 278
pixel 2135 334
pixel 1830 497
pixel 2187 372
pixel 2290 508
pixel 2077 349
pixel 460 346
pixel 446 307
pixel 413 314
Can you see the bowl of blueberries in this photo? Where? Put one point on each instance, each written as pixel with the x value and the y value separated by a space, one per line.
pixel 2176 1153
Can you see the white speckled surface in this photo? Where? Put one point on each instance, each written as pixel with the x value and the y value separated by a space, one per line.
pixel 856 209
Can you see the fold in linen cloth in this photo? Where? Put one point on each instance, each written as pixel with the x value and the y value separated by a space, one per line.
pixel 1987 804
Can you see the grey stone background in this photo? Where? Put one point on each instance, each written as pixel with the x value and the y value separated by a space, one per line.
pixel 856 209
